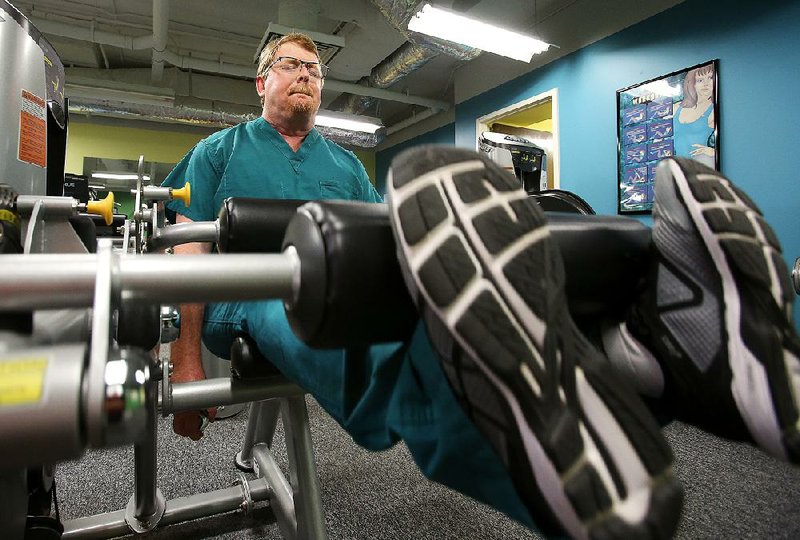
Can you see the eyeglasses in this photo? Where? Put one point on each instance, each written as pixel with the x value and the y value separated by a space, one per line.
pixel 290 64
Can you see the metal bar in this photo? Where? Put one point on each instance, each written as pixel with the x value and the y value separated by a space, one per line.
pixel 113 524
pixel 411 120
pixel 223 391
pixel 244 458
pixel 145 472
pixel 104 294
pixel 184 233
pixel 65 281
pixel 270 411
pixel 282 500
pixel 52 206
pixel 388 95
pixel 307 498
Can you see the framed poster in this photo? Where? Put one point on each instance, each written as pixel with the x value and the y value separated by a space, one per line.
pixel 672 115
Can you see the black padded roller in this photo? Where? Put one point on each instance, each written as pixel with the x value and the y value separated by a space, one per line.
pixel 254 225
pixel 138 324
pixel 352 291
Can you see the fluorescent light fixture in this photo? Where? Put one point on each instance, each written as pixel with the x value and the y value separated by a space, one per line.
pixel 119 176
pixel 349 122
pixel 444 24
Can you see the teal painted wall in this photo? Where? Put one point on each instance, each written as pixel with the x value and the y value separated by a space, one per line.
pixel 442 135
pixel 757 43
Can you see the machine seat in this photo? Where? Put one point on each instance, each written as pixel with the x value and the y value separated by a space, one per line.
pixel 247 362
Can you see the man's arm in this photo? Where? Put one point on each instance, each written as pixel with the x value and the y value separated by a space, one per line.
pixel 185 353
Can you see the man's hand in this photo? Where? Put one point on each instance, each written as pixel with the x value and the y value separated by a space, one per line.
pixel 186 355
pixel 191 423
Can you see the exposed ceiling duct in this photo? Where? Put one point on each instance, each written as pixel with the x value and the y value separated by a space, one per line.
pixel 180 114
pixel 209 66
pixel 415 53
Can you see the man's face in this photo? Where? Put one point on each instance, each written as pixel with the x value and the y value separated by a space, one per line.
pixel 292 93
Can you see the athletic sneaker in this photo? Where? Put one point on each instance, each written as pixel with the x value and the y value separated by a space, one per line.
pixel 717 315
pixel 584 453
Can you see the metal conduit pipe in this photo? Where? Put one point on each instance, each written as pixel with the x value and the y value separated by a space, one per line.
pixel 409 57
pixel 160 30
pixel 209 66
pixel 91 35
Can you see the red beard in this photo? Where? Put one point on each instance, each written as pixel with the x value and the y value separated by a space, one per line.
pixel 303 105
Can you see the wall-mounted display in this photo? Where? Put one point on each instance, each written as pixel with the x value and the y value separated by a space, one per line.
pixel 672 115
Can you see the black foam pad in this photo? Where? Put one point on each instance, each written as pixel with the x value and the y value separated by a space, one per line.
pixel 352 291
pixel 254 225
pixel 604 259
pixel 138 324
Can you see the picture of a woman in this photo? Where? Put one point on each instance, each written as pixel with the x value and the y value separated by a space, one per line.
pixel 693 118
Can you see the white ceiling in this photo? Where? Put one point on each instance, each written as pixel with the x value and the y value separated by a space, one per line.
pixel 228 32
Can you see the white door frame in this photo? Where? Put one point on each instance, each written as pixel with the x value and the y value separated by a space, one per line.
pixel 482 124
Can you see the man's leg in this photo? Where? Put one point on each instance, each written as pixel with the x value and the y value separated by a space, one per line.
pixel 391 392
pixel 715 315
pixel 583 451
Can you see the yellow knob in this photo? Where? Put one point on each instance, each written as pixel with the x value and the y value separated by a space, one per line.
pixel 184 194
pixel 103 208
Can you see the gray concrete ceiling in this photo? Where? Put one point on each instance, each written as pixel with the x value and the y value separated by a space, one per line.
pixel 228 32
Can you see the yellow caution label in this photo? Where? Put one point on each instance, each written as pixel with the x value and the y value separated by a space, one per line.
pixel 21 380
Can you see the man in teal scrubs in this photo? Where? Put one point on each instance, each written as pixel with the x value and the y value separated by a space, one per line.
pixel 280 155
pixel 543 429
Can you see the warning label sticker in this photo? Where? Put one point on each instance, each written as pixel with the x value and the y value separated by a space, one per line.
pixel 33 130
pixel 21 380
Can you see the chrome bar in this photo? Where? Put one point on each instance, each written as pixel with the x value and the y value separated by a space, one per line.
pixel 68 281
pixel 195 395
pixel 184 233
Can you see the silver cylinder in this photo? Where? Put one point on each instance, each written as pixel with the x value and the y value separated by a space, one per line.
pixel 22 88
pixel 224 391
pixel 41 413
pixel 64 281
pixel 51 206
pixel 184 233
pixel 156 193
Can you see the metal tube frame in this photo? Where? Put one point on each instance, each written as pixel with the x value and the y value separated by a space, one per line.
pixel 183 233
pixel 309 516
pixel 178 510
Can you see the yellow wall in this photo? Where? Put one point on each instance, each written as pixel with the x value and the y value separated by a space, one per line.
pixel 114 142
pixel 367 158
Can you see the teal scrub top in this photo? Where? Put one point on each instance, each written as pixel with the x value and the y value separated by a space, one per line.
pixel 253 160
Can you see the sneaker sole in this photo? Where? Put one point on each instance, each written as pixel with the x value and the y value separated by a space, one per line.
pixel 754 280
pixel 584 454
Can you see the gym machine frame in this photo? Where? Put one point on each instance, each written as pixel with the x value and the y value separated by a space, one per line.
pixel 102 280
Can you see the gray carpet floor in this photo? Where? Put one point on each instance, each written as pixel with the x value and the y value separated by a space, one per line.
pixel 732 490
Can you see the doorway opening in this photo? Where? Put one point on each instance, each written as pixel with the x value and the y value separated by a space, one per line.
pixel 535 119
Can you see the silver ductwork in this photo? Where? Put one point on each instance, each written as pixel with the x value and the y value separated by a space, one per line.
pixel 409 57
pixel 180 114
